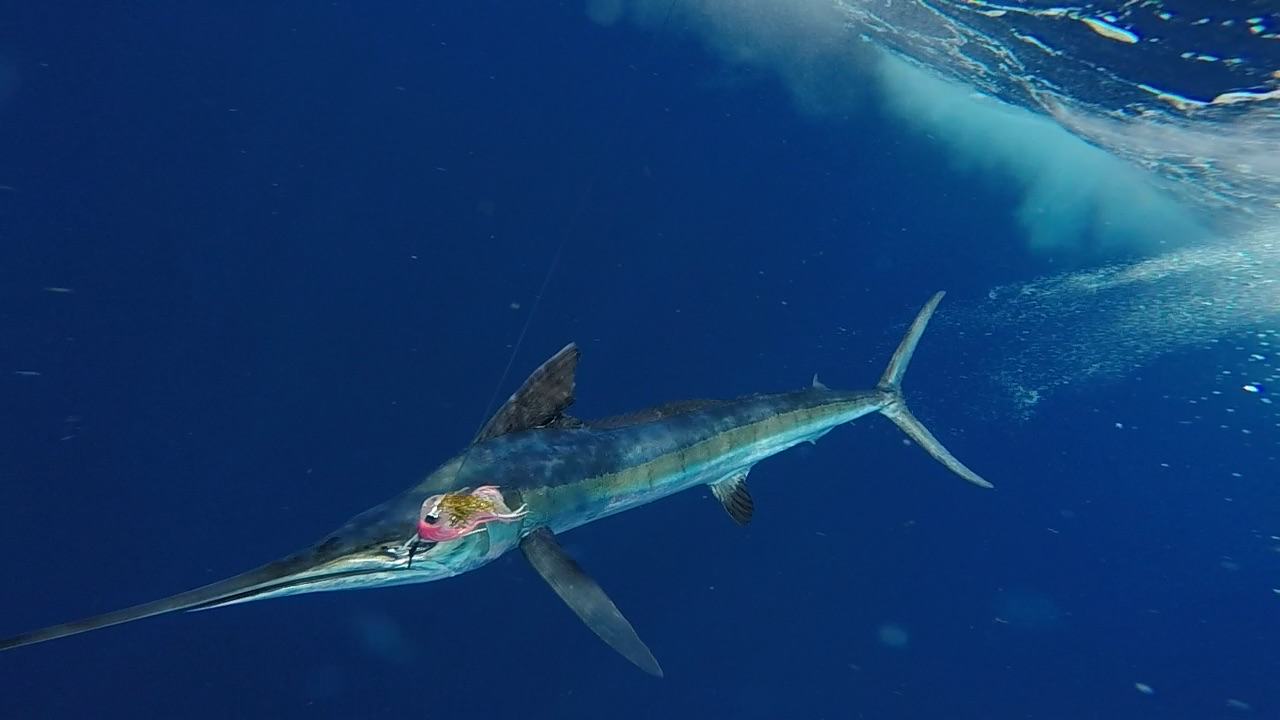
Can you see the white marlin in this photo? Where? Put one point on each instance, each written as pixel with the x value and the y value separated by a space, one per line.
pixel 533 472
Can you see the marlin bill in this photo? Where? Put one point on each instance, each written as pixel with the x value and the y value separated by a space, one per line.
pixel 534 472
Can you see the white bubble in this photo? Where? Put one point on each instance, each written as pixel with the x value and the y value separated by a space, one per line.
pixel 1027 609
pixel 606 12
pixel 381 636
pixel 892 635
pixel 1101 324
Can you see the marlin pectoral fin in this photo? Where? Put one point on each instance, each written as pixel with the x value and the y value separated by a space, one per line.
pixel 734 497
pixel 585 597
pixel 540 401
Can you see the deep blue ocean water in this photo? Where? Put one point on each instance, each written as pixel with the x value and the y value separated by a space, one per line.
pixel 301 241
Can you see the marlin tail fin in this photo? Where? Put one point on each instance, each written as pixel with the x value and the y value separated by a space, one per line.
pixel 896 409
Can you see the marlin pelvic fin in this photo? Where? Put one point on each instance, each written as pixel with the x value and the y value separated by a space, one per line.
pixel 540 401
pixel 585 597
pixel 734 497
pixel 896 409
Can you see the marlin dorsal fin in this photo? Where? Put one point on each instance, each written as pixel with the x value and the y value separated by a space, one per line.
pixel 540 401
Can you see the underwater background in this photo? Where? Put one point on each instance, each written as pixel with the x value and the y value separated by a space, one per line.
pixel 263 265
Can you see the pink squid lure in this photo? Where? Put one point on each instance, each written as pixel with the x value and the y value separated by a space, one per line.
pixel 453 515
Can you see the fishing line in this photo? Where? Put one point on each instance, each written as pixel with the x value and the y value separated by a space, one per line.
pixel 562 245
pixel 565 237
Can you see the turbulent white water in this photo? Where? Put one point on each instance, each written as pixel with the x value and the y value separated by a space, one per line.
pixel 1180 105
pixel 1065 330
pixel 1187 91
pixel 1133 129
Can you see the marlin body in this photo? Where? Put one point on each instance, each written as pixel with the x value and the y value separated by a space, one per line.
pixel 533 472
